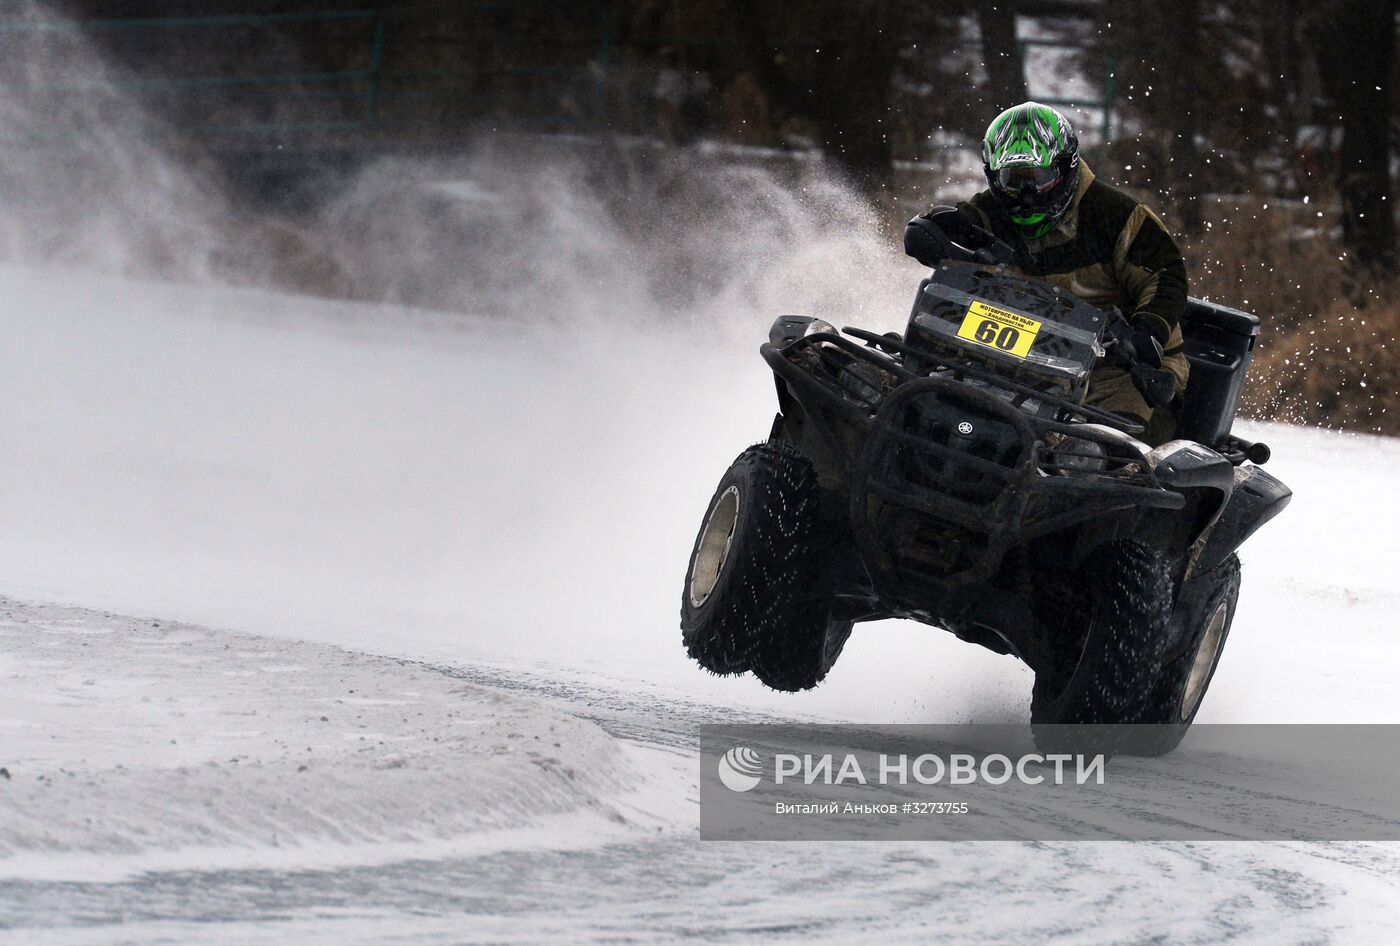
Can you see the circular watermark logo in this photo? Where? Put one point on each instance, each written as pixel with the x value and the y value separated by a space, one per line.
pixel 740 769
pixel 965 428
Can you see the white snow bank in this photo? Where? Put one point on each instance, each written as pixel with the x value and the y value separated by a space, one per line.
pixel 129 744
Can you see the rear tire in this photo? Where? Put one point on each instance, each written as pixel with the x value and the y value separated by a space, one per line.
pixel 800 658
pixel 752 597
pixel 1126 597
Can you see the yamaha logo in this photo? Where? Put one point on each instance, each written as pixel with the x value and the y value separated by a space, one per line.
pixel 965 428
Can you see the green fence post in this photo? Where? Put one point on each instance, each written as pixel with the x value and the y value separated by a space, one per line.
pixel 600 83
pixel 376 70
pixel 1108 101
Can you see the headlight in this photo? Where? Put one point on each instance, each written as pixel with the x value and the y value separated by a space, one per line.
pixel 1073 455
pixel 862 383
pixel 789 328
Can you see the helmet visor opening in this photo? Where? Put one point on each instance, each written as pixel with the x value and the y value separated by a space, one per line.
pixel 1025 179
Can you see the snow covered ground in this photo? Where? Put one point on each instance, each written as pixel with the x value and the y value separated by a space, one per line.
pixel 240 507
pixel 211 747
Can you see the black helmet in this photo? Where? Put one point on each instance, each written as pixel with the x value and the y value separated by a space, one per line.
pixel 1031 158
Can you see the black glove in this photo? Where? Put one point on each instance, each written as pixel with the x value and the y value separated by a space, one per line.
pixel 1138 348
pixel 1146 339
pixel 927 236
pixel 1157 385
pixel 947 232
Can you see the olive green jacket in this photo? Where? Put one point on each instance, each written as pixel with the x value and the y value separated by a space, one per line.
pixel 1108 249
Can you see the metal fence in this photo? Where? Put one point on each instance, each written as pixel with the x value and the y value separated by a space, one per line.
pixel 231 97
pixel 350 78
pixel 308 79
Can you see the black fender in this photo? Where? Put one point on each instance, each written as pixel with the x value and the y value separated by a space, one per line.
pixel 1185 464
pixel 785 330
pixel 1256 498
pixel 1201 475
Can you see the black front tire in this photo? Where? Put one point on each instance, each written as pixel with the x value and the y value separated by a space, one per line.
pixel 753 597
pixel 1201 624
pixel 1125 597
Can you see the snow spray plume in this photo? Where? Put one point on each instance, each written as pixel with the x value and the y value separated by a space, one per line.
pixel 85 175
pixel 526 228
pixel 531 231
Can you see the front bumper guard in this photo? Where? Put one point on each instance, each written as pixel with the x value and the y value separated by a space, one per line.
pixel 932 512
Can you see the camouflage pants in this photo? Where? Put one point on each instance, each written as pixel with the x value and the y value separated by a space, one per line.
pixel 1111 389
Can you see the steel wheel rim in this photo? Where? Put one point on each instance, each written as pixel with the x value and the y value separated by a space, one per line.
pixel 712 551
pixel 1204 661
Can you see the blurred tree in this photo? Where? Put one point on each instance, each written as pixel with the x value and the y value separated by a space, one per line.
pixel 1193 96
pixel 1289 75
pixel 1001 53
pixel 832 65
pixel 1181 113
pixel 1355 45
pixel 855 79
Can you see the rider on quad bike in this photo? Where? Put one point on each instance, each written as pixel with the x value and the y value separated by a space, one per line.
pixel 1024 466
pixel 1071 229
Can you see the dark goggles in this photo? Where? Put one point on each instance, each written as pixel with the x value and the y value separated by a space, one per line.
pixel 1024 178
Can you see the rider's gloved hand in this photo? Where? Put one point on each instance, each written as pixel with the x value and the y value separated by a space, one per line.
pixel 1147 337
pixel 1138 348
pixel 927 236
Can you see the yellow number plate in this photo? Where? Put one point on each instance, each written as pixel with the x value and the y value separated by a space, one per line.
pixel 999 329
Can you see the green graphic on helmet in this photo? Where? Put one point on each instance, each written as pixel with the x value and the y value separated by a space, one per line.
pixel 1030 155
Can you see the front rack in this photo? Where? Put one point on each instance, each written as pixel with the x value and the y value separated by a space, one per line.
pixel 1124 456
pixel 990 377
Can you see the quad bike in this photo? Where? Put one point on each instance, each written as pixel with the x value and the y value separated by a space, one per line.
pixel 955 476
